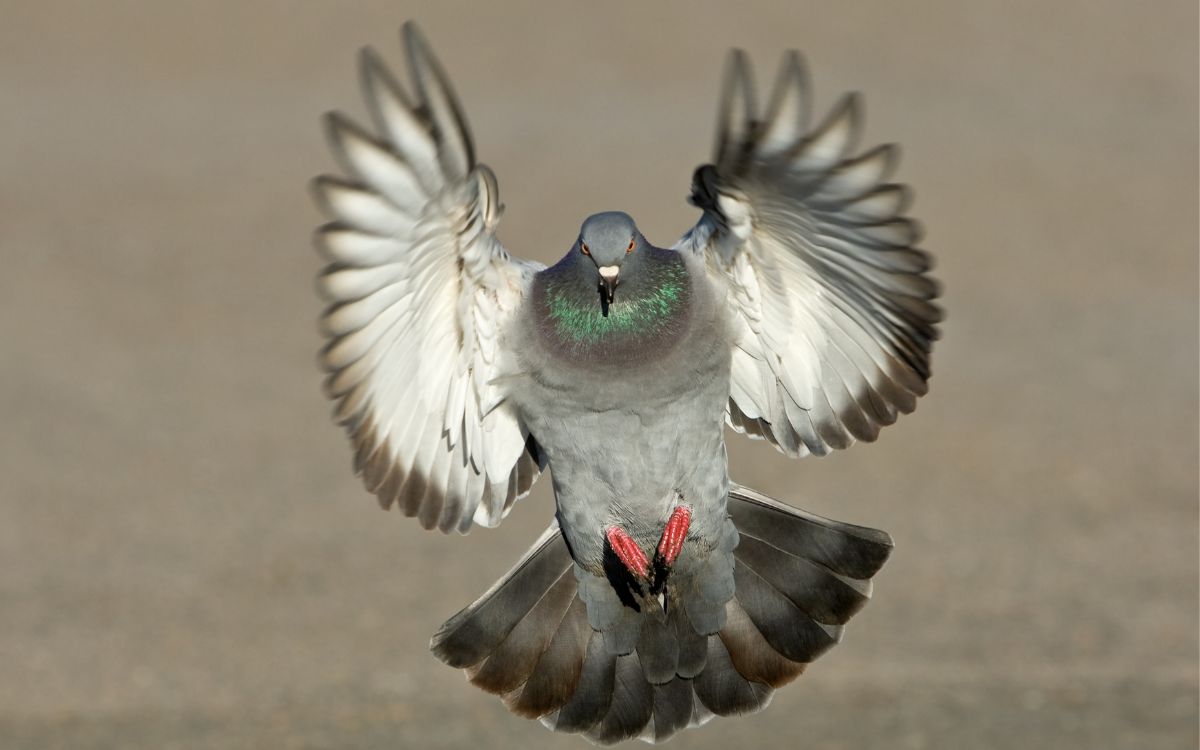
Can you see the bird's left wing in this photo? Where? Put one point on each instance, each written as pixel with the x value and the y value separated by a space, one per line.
pixel 829 295
pixel 420 289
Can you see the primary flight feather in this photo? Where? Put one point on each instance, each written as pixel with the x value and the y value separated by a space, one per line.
pixel 797 310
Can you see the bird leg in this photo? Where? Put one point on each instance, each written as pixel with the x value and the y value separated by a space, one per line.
pixel 628 552
pixel 670 545
pixel 674 534
pixel 634 559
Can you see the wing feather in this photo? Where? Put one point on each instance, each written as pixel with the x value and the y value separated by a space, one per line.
pixel 832 302
pixel 421 294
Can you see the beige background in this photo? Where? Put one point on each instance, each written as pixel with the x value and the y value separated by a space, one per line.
pixel 186 560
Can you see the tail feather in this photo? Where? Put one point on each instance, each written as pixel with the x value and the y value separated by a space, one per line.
pixel 618 673
pixel 592 698
pixel 751 654
pixel 853 551
pixel 673 705
pixel 723 690
pixel 693 647
pixel 556 675
pixel 658 650
pixel 475 632
pixel 785 626
pixel 631 707
pixel 817 591
pixel 513 661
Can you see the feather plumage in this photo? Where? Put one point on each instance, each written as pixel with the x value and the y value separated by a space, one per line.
pixel 831 295
pixel 421 291
pixel 435 362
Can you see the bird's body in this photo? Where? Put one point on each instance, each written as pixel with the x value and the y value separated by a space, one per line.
pixel 797 311
pixel 633 427
pixel 650 391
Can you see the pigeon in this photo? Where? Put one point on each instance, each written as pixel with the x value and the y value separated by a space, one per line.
pixel 798 311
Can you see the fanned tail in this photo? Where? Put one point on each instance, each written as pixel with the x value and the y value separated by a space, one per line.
pixel 798 577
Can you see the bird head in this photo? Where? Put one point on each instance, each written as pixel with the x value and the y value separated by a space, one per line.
pixel 609 243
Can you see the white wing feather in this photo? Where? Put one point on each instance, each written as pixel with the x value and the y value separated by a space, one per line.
pixel 421 290
pixel 831 302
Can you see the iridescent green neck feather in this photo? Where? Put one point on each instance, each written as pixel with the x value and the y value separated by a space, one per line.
pixel 648 311
pixel 584 322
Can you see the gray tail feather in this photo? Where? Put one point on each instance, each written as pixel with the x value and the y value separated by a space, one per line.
pixel 799 578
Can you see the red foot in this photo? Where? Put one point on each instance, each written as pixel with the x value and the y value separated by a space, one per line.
pixel 674 534
pixel 630 555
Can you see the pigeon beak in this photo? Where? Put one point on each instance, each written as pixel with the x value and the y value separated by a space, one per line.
pixel 609 278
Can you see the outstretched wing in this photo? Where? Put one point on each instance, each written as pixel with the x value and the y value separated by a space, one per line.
pixel 830 298
pixel 420 290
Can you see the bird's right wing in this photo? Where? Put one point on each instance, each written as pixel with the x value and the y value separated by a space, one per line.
pixel 420 290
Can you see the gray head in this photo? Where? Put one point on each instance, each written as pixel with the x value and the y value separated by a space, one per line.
pixel 609 239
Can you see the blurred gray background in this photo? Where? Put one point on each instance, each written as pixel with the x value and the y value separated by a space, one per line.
pixel 187 561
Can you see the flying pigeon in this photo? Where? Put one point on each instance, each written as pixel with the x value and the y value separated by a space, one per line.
pixel 797 311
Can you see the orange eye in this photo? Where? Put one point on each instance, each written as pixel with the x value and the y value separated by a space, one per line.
pixel 632 244
pixel 583 247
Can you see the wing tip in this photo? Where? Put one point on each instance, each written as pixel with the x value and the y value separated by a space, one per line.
pixel 437 92
pixel 373 73
pixel 320 189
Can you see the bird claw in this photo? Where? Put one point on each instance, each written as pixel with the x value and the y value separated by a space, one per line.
pixel 675 534
pixel 669 546
pixel 628 552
